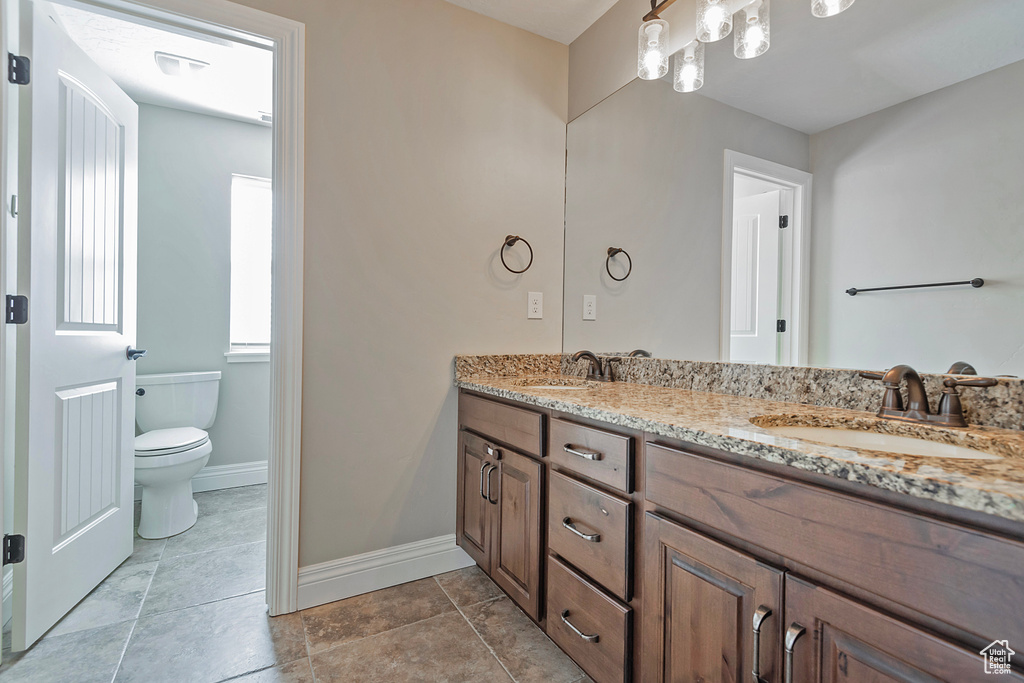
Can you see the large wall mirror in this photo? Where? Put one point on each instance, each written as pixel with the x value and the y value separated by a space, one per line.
pixel 888 140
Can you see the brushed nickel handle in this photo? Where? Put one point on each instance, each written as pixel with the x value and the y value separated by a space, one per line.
pixel 760 615
pixel 793 634
pixel 134 354
pixel 571 526
pixel 590 639
pixel 495 501
pixel 482 468
pixel 588 455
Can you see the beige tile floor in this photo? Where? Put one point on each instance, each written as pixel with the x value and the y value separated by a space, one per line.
pixel 191 608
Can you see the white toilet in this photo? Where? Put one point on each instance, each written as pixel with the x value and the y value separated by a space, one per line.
pixel 172 411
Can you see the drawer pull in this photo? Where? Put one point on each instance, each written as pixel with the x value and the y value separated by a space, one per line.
pixel 793 634
pixel 588 455
pixel 760 615
pixel 492 501
pixel 565 620
pixel 571 526
pixel 482 468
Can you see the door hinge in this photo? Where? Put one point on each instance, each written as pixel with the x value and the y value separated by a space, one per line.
pixel 780 325
pixel 17 69
pixel 16 310
pixel 14 549
pixel 783 222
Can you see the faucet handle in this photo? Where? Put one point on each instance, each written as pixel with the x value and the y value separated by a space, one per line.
pixel 953 382
pixel 872 375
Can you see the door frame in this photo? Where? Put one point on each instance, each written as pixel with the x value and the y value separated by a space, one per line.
pixel 286 38
pixel 800 183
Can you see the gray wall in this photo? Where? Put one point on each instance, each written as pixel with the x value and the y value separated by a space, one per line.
pixel 926 191
pixel 644 173
pixel 185 166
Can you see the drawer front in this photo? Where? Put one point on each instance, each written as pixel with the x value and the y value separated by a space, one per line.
pixel 591 530
pixel 594 629
pixel 969 579
pixel 517 427
pixel 602 456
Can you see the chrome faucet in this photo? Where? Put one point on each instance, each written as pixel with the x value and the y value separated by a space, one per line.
pixel 598 372
pixel 950 412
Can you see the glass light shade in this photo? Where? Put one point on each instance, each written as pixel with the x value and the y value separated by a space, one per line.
pixel 829 8
pixel 753 30
pixel 689 68
pixel 714 20
pixel 652 53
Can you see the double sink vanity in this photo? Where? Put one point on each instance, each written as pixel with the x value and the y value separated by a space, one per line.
pixel 685 533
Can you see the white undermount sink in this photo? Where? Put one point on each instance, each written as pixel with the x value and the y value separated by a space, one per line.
pixel 875 441
pixel 553 386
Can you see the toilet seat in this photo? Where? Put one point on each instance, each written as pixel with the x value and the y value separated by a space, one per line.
pixel 169 441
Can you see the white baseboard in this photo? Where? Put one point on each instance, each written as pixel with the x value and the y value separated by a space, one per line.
pixel 340 579
pixel 8 593
pixel 224 477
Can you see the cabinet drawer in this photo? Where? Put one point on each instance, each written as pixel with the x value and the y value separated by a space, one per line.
pixel 594 629
pixel 591 530
pixel 602 456
pixel 519 428
pixel 970 579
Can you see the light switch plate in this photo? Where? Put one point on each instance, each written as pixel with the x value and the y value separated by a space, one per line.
pixel 535 306
pixel 589 307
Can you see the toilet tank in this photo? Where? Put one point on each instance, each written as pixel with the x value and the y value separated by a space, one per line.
pixel 177 399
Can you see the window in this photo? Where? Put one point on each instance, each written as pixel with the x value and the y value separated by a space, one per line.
pixel 251 247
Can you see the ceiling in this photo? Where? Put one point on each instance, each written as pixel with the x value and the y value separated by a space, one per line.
pixel 820 73
pixel 559 20
pixel 238 83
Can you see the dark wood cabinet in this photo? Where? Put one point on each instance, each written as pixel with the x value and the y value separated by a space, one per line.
pixel 499 519
pixel 702 598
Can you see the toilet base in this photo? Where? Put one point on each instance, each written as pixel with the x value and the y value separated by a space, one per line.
pixel 167 510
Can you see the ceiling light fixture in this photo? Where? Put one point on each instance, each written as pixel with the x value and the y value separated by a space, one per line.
pixel 176 65
pixel 652 52
pixel 689 68
pixel 829 8
pixel 714 20
pixel 753 30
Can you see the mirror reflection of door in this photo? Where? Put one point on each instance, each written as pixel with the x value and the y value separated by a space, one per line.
pixel 760 272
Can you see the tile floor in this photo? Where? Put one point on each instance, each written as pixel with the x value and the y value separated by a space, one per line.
pixel 191 608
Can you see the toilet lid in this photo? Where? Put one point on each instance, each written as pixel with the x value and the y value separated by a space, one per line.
pixel 164 441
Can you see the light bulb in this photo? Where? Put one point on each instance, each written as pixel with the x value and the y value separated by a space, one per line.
pixel 753 30
pixel 652 52
pixel 689 68
pixel 714 20
pixel 829 8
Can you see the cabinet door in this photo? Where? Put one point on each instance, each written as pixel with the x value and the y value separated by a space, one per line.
pixel 517 542
pixel 847 642
pixel 473 519
pixel 700 601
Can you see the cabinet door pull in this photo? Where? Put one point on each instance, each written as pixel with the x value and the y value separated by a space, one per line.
pixel 589 455
pixel 482 468
pixel 793 634
pixel 571 526
pixel 565 620
pixel 760 615
pixel 489 499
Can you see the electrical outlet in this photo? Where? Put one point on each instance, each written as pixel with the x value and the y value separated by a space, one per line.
pixel 535 306
pixel 589 307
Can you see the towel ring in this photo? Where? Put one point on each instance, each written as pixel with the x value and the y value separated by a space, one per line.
pixel 614 251
pixel 510 241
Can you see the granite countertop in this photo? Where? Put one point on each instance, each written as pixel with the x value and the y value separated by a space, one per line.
pixel 994 486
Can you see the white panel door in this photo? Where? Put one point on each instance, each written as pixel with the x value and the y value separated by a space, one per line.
pixel 76 387
pixel 755 279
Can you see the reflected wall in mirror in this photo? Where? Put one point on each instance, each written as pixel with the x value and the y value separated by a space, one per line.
pixel 907 118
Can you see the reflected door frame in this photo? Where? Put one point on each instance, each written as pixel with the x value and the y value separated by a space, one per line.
pixel 799 184
pixel 286 38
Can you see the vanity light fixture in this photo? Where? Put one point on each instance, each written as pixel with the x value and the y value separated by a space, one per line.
pixel 714 20
pixel 829 8
pixel 753 30
pixel 689 68
pixel 652 51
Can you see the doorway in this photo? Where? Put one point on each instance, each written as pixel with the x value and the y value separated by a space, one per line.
pixel 765 262
pixel 219 20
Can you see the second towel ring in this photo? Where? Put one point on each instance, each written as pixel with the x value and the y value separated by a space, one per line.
pixel 510 241
pixel 612 252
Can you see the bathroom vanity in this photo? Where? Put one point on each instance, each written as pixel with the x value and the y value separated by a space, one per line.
pixel 663 534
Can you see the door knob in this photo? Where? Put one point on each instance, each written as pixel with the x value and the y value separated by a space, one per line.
pixel 135 354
